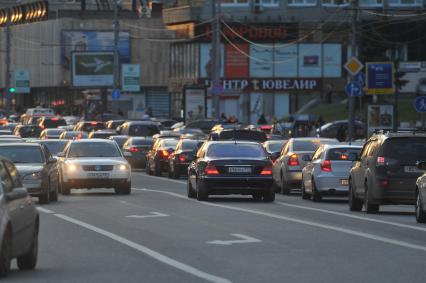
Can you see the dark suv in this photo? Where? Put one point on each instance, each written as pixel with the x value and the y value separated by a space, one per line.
pixel 386 172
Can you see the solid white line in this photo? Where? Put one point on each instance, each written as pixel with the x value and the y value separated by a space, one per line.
pixel 160 178
pixel 45 210
pixel 353 216
pixel 147 251
pixel 151 215
pixel 305 222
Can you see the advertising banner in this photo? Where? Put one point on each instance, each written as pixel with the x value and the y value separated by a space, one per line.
pixel 379 78
pixel 94 41
pixel 236 62
pixel 206 60
pixel 310 60
pixel 195 103
pixel 92 69
pixel 130 77
pixel 285 58
pixel 22 81
pixel 261 61
pixel 332 60
pixel 380 117
pixel 256 107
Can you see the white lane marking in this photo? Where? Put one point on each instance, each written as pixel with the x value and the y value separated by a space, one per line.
pixel 353 216
pixel 147 251
pixel 151 215
pixel 160 178
pixel 244 240
pixel 45 210
pixel 305 222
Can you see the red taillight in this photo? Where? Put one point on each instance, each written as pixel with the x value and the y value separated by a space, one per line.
pixel 326 166
pixel 293 160
pixel 93 123
pixel 182 158
pixel 266 171
pixel 42 127
pixel 164 153
pixel 133 149
pixel 54 119
pixel 380 160
pixel 211 170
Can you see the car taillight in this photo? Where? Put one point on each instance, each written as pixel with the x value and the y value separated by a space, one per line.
pixel 164 153
pixel 42 127
pixel 133 149
pixel 182 158
pixel 293 160
pixel 93 123
pixel 384 183
pixel 380 160
pixel 326 166
pixel 55 119
pixel 266 170
pixel 211 170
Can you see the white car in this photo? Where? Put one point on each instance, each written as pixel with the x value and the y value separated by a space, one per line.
pixel 94 163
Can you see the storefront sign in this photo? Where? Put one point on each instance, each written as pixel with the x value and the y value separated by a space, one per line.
pixel 275 84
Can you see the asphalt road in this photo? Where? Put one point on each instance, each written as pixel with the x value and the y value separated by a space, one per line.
pixel 157 234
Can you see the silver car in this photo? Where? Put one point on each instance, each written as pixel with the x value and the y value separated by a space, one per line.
pixel 287 169
pixel 19 221
pixel 421 194
pixel 326 174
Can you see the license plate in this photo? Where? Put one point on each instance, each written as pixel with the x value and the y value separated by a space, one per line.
pixel 344 182
pixel 412 169
pixel 98 175
pixel 239 170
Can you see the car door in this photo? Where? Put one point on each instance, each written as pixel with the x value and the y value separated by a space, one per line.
pixel 51 169
pixel 276 168
pixel 360 167
pixel 309 168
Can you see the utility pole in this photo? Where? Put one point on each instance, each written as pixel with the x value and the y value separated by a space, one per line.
pixel 354 6
pixel 215 57
pixel 6 94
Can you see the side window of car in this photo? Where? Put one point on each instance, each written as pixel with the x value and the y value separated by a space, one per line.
pixel 372 148
pixel 285 149
pixel 14 174
pixel 365 150
pixel 317 154
pixel 6 181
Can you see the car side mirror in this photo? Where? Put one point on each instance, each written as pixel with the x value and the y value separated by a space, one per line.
pixel 61 154
pixel 306 158
pixel 421 165
pixel 16 193
pixel 127 154
pixel 52 160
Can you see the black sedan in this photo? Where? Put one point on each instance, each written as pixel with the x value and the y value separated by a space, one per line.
pixel 180 159
pixel 138 147
pixel 231 167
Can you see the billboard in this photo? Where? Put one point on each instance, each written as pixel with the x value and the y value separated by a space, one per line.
pixel 92 69
pixel 94 41
pixel 380 117
pixel 285 57
pixel 130 77
pixel 195 103
pixel 332 60
pixel 310 60
pixel 22 81
pixel 379 78
pixel 236 62
pixel 261 61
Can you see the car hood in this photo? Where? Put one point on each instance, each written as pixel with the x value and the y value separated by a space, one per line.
pixel 27 168
pixel 96 160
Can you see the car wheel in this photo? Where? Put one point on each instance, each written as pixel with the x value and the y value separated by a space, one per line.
pixel 29 260
pixel 304 194
pixel 5 259
pixel 355 204
pixel 124 189
pixel 369 207
pixel 65 189
pixel 285 189
pixel 269 195
pixel 420 213
pixel 316 195
pixel 202 195
pixel 54 195
pixel 44 198
pixel 190 190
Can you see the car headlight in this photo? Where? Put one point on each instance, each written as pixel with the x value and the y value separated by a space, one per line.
pixel 71 167
pixel 123 167
pixel 33 176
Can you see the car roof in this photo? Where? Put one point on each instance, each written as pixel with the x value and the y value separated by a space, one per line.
pixel 141 123
pixel 94 140
pixel 332 146
pixel 21 144
pixel 234 142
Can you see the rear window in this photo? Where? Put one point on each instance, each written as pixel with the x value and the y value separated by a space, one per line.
pixel 28 132
pixel 54 132
pixel 238 150
pixel 243 135
pixel 311 145
pixel 170 143
pixel 142 141
pixel 343 154
pixel 410 149
pixel 275 146
pixel 54 123
pixel 191 145
pixel 143 130
pixel 88 127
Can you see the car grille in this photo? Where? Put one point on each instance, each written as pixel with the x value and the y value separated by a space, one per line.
pixel 98 167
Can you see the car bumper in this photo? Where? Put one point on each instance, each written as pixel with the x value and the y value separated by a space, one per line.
pixel 34 188
pixel 331 185
pixel 182 168
pixel 98 176
pixel 399 191
pixel 93 183
pixel 293 178
pixel 236 185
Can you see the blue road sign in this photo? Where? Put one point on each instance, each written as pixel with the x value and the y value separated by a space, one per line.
pixel 360 78
pixel 353 89
pixel 217 89
pixel 380 78
pixel 116 94
pixel 421 104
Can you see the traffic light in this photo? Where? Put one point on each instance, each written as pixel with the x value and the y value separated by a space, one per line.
pixel 12 90
pixel 25 13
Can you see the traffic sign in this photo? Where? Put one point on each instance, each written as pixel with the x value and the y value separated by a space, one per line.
pixel 116 94
pixel 360 78
pixel 353 89
pixel 420 104
pixel 380 78
pixel 353 66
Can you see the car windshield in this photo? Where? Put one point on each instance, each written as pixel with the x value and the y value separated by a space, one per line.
pixel 275 146
pixel 143 130
pixel 56 146
pixel 235 150
pixel 95 149
pixel 306 145
pixel 22 154
pixel 407 149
